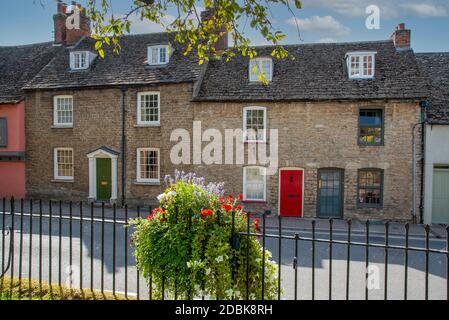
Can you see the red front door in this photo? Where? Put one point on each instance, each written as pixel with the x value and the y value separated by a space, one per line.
pixel 291 193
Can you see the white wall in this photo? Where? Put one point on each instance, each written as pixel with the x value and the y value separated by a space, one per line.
pixel 437 153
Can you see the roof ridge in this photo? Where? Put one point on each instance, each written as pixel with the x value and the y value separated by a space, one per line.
pixel 324 43
pixel 432 53
pixel 27 45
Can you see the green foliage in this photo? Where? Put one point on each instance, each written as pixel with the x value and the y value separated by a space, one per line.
pixel 186 246
pixel 201 37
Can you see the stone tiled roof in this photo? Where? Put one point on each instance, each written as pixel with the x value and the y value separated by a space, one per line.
pixel 18 65
pixel 128 67
pixel 318 72
pixel 436 67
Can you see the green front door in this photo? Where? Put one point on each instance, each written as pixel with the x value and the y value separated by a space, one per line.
pixel 440 201
pixel 104 180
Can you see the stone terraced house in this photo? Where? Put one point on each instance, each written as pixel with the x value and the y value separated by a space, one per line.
pixel 436 183
pixel 102 129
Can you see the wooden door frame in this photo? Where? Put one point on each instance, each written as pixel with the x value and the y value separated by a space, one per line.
pixel 279 187
pixel 102 153
pixel 342 196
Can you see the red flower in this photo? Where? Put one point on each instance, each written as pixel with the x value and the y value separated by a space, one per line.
pixel 226 207
pixel 207 212
pixel 158 210
pixel 222 200
pixel 257 225
pixel 240 197
pixel 231 197
pixel 239 208
pixel 150 216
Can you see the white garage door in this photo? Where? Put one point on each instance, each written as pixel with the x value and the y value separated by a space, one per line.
pixel 440 203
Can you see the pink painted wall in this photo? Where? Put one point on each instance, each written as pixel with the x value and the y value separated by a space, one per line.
pixel 15 113
pixel 12 173
pixel 12 179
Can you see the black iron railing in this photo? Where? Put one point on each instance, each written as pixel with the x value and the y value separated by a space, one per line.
pixel 87 247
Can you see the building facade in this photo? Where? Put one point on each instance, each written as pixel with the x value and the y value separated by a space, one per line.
pixel 326 133
pixel 436 183
pixel 18 65
pixel 338 116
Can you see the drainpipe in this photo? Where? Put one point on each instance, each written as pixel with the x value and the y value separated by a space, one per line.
pixel 124 89
pixel 423 105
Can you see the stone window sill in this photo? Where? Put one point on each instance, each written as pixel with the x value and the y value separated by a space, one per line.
pixel 139 183
pixel 62 181
pixel 62 127
pixel 156 125
pixel 254 201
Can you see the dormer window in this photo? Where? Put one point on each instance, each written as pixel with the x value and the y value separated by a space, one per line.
pixel 79 60
pixel 361 65
pixel 261 69
pixel 158 55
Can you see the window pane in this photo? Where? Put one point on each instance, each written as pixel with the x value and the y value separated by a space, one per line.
pixel 3 132
pixel 370 135
pixel 64 163
pixel 371 117
pixel 355 66
pixel 266 67
pixel 149 108
pixel 162 55
pixel 149 165
pixel 255 124
pixel 371 126
pixel 64 110
pixel 255 184
pixel 369 196
pixel 368 65
pixel 257 66
pixel 154 55
pixel 370 187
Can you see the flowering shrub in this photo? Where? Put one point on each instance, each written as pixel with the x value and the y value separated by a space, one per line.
pixel 186 245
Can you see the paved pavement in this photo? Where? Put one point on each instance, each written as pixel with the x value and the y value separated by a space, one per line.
pixel 90 250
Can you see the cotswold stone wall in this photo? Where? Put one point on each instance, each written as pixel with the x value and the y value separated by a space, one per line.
pixel 311 136
pixel 97 123
pixel 324 135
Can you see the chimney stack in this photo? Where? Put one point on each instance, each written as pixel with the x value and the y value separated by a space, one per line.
pixel 222 43
pixel 70 28
pixel 402 37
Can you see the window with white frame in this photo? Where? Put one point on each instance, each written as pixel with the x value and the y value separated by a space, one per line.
pixel 148 166
pixel 261 69
pixel 63 111
pixel 254 124
pixel 79 60
pixel 63 163
pixel 254 183
pixel 361 65
pixel 158 55
pixel 148 108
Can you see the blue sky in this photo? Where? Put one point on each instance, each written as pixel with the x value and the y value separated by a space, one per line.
pixel 26 21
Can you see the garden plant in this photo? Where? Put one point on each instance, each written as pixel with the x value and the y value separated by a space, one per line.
pixel 196 244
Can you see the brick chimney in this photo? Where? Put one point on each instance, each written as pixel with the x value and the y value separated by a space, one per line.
pixel 222 43
pixel 402 37
pixel 67 30
pixel 59 19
